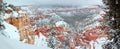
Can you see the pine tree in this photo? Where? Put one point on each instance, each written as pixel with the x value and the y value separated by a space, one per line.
pixel 113 19
pixel 2 6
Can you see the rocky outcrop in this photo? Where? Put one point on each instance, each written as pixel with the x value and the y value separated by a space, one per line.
pixel 22 22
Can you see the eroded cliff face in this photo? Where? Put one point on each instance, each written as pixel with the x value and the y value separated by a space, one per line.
pixel 22 23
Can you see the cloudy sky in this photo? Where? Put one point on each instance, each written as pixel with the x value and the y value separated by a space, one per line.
pixel 52 2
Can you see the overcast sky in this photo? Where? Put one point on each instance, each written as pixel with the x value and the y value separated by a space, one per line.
pixel 52 2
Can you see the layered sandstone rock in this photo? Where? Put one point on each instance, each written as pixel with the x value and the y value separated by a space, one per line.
pixel 22 22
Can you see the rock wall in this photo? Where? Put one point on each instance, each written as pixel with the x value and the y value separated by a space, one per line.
pixel 23 25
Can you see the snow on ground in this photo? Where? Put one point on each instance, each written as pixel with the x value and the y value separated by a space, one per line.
pixel 6 43
pixel 100 41
pixel 6 16
pixel 10 31
pixel 41 41
pixel 9 39
pixel 61 23
pixel 13 14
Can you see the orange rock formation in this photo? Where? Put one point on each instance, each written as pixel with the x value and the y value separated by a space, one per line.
pixel 23 25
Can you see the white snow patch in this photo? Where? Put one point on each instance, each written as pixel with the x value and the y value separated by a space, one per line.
pixel 15 14
pixel 99 42
pixel 10 31
pixel 6 16
pixel 8 8
pixel 97 17
pixel 102 12
pixel 61 23
pixel 41 41
pixel 6 43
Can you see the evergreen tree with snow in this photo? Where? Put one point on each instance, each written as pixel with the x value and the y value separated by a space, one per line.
pixel 113 19
pixel 2 8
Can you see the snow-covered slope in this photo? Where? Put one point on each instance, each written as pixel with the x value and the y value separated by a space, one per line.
pixel 10 31
pixel 6 43
pixel 41 41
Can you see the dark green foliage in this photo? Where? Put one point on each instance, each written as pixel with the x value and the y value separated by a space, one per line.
pixel 113 18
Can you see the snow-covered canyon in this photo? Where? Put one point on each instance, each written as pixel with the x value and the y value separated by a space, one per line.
pixel 57 28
